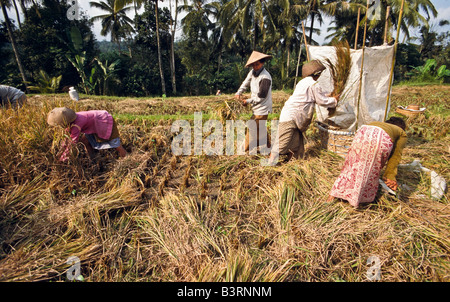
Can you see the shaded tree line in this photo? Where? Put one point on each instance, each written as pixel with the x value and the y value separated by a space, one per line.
pixel 44 47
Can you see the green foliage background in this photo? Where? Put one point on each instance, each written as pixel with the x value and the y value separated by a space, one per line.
pixel 216 39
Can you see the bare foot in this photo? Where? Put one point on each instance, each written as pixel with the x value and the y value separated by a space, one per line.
pixel 122 151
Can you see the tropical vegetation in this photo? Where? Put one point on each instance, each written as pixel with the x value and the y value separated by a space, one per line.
pixel 195 47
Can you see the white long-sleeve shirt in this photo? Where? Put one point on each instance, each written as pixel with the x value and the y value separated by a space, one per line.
pixel 261 102
pixel 300 105
pixel 9 94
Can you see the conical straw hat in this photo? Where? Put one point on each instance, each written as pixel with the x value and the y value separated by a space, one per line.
pixel 255 57
pixel 311 68
pixel 61 116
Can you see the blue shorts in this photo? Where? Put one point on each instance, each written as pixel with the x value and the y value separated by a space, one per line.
pixel 114 143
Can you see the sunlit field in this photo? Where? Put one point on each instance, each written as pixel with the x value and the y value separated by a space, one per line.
pixel 153 216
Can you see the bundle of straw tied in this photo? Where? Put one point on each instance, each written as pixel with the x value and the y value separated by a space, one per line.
pixel 228 110
pixel 340 70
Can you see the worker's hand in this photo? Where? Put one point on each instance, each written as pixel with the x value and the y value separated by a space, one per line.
pixel 237 96
pixel 392 184
pixel 63 157
pixel 244 102
pixel 336 96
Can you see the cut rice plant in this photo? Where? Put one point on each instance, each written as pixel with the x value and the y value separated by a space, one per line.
pixel 155 217
pixel 340 69
pixel 229 109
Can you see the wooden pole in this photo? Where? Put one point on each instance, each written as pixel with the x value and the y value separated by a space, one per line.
pixel 357 28
pixel 298 60
pixel 393 60
pixel 386 25
pixel 362 68
pixel 306 42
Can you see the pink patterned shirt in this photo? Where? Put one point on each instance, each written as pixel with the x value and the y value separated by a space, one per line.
pixel 98 122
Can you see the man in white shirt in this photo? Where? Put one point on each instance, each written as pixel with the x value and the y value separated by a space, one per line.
pixel 260 82
pixel 298 111
pixel 11 96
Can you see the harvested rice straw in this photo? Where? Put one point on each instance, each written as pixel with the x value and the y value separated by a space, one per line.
pixel 340 70
pixel 227 110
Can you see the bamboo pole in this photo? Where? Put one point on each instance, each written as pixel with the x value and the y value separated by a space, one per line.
pixel 386 25
pixel 393 59
pixel 357 28
pixel 298 64
pixel 298 60
pixel 306 42
pixel 362 67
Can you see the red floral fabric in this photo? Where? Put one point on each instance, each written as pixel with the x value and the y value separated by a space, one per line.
pixel 369 152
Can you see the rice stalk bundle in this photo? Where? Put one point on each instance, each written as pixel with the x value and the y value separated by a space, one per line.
pixel 340 70
pixel 227 110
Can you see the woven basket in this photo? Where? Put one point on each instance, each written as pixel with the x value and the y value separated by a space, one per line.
pixel 407 113
pixel 338 142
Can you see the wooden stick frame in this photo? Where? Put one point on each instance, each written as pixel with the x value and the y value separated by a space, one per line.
pixel 362 68
pixel 306 42
pixel 357 28
pixel 299 54
pixel 386 24
pixel 393 60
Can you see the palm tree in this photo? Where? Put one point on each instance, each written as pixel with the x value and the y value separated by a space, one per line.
pixel 288 17
pixel 115 21
pixel 200 10
pixel 173 28
pixel 217 34
pixel 196 26
pixel 329 8
pixel 23 7
pixel 17 13
pixel 3 4
pixel 344 20
pixel 138 3
pixel 412 16
pixel 163 83
pixel 315 8
pixel 251 18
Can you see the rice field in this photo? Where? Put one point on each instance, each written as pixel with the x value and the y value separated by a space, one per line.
pixel 153 216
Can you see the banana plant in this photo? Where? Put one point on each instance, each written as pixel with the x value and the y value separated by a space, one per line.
pixel 442 73
pixel 78 61
pixel 429 72
pixel 77 56
pixel 45 83
pixel 107 72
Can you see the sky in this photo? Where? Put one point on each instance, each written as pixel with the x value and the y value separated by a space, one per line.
pixel 442 6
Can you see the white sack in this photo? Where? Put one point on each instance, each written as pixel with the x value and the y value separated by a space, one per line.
pixel 374 89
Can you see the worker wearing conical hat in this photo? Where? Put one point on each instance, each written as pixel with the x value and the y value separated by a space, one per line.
pixel 298 110
pixel 259 81
pixel 96 129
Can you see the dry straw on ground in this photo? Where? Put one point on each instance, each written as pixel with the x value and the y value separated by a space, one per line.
pixel 155 217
